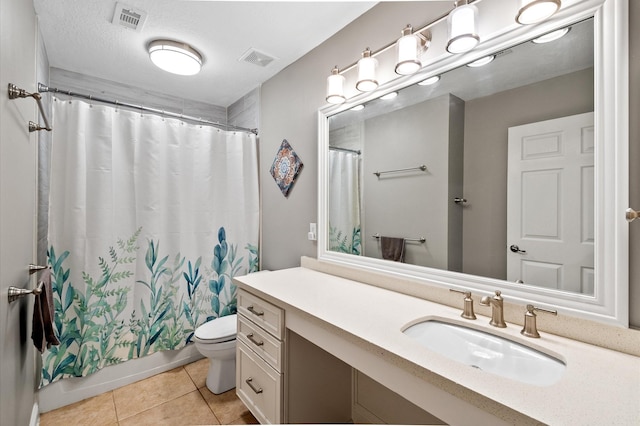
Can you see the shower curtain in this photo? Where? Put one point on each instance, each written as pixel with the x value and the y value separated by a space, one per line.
pixel 149 220
pixel 344 202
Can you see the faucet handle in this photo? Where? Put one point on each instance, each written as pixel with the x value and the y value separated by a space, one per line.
pixel 467 312
pixel 530 328
pixel 485 301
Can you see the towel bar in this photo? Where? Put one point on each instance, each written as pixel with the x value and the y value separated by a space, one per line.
pixel 421 167
pixel 16 293
pixel 419 240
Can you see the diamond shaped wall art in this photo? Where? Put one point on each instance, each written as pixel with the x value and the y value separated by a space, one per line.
pixel 286 167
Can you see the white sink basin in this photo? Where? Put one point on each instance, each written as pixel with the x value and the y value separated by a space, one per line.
pixel 488 352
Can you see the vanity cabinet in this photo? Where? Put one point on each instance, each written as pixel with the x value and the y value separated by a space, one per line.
pixel 259 372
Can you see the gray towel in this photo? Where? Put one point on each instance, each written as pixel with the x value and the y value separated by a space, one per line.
pixel 392 248
pixel 43 333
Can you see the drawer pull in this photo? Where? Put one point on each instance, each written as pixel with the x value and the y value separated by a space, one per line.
pixel 254 341
pixel 253 388
pixel 253 311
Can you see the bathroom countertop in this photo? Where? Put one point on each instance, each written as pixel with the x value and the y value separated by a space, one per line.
pixel 599 386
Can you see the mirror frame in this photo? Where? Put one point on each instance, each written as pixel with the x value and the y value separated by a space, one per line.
pixel 610 302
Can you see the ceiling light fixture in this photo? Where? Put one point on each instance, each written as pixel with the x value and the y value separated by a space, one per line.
pixel 429 81
pixel 553 35
pixel 534 11
pixel 335 87
pixel 367 72
pixel 462 26
pixel 409 48
pixel 481 62
pixel 175 57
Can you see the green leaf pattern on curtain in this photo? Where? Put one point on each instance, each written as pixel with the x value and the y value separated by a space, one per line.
pixel 344 243
pixel 94 327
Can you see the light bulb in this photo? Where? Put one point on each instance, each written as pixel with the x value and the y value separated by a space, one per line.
pixel 534 11
pixel 335 87
pixel 367 72
pixel 462 26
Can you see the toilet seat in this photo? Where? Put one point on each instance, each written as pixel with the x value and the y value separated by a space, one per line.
pixel 218 330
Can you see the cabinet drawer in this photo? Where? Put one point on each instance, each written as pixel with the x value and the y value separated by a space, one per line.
pixel 258 386
pixel 261 342
pixel 263 313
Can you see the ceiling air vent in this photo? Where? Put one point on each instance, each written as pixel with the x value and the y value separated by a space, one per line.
pixel 256 57
pixel 129 17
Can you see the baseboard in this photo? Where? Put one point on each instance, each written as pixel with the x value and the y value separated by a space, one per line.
pixel 74 389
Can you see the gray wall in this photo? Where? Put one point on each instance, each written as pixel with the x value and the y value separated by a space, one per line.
pixel 413 204
pixel 245 112
pixel 487 121
pixel 289 103
pixel 111 90
pixel 17 209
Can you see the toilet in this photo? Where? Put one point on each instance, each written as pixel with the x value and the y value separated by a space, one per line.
pixel 216 340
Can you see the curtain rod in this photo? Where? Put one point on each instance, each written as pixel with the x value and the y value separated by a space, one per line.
pixel 337 148
pixel 43 88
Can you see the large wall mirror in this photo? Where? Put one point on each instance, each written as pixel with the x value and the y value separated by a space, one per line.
pixel 502 175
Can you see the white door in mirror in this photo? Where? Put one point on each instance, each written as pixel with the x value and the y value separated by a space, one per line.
pixel 551 227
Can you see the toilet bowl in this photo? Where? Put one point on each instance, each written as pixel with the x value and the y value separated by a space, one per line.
pixel 216 340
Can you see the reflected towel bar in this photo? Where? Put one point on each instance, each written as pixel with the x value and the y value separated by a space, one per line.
pixel 16 293
pixel 418 240
pixel 421 167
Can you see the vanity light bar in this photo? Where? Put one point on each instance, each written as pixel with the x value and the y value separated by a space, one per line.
pixel 423 33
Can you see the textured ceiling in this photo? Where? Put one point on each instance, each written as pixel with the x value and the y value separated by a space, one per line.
pixel 79 36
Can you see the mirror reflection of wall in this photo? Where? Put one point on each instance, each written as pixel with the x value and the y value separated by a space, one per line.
pixel 459 128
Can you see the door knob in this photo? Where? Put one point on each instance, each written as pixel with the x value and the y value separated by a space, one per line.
pixel 514 248
pixel 632 215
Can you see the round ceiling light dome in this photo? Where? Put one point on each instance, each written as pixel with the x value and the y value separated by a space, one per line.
pixel 175 57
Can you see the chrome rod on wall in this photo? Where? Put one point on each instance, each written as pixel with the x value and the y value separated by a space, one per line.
pixel 337 148
pixel 198 120
pixel 422 167
pixel 418 240
pixel 15 92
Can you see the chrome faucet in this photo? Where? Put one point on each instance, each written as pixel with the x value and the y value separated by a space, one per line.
pixel 496 303
pixel 467 312
pixel 530 329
